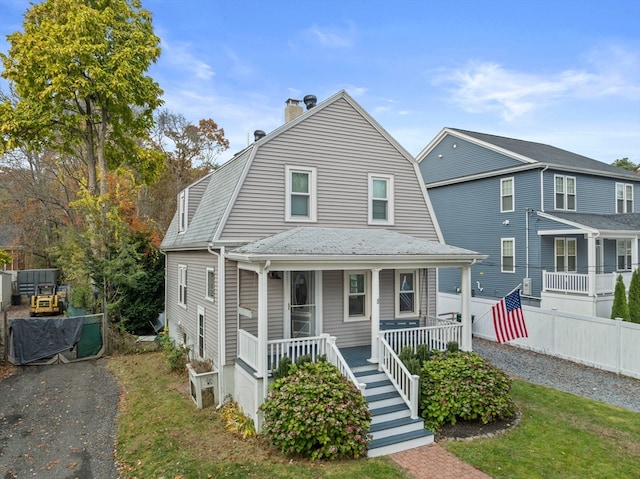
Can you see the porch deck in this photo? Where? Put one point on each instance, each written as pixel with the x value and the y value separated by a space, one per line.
pixel 356 356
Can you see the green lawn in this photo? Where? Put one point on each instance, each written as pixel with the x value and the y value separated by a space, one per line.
pixel 162 434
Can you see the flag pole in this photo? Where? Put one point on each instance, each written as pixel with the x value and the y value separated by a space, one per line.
pixel 487 312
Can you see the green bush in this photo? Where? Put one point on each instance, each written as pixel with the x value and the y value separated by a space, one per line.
pixel 634 297
pixel 176 357
pixel 317 413
pixel 463 386
pixel 620 308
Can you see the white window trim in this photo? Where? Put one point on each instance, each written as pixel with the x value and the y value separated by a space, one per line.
pixel 502 242
pixel 201 341
pixel 416 293
pixel 390 200
pixel 513 194
pixel 207 285
pixel 566 242
pixel 183 210
pixel 313 193
pixel 624 198
pixel 625 242
pixel 182 285
pixel 367 294
pixel 565 193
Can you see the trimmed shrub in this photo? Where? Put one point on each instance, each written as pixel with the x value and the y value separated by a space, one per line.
pixel 620 308
pixel 176 357
pixel 634 297
pixel 463 386
pixel 317 413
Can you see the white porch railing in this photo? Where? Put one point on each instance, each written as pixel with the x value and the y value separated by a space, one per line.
pixel 406 383
pixel 248 348
pixel 579 283
pixel 293 348
pixel 436 337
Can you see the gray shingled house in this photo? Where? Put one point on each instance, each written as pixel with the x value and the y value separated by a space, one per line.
pixel 562 225
pixel 318 238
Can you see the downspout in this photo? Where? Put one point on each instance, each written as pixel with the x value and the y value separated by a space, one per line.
pixel 221 319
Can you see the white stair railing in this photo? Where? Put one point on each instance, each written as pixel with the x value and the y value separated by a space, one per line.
pixel 406 383
pixel 334 356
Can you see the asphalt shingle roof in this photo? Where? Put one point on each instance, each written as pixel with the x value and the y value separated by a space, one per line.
pixel 613 222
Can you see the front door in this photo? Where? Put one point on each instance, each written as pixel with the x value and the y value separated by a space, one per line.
pixel 303 307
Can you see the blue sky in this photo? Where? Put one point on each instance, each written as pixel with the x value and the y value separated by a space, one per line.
pixel 561 72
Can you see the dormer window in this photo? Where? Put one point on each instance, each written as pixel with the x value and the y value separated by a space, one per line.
pixel 183 211
pixel 565 192
pixel 301 194
pixel 624 198
pixel 381 199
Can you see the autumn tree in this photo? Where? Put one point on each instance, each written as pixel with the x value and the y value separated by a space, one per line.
pixel 191 151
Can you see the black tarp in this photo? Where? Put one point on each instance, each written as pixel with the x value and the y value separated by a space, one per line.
pixel 38 338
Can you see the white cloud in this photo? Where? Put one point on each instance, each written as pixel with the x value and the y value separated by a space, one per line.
pixel 482 87
pixel 179 55
pixel 330 37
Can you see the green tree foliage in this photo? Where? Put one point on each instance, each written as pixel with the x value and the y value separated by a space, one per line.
pixel 626 164
pixel 78 71
pixel 4 258
pixel 634 297
pixel 620 308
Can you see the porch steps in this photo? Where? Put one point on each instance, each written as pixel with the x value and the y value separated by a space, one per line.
pixel 392 428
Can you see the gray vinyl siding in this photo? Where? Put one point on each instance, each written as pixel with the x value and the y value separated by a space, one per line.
pixel 463 160
pixel 469 217
pixel 594 194
pixel 231 311
pixel 343 162
pixel 197 264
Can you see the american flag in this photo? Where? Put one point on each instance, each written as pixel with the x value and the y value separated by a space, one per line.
pixel 508 319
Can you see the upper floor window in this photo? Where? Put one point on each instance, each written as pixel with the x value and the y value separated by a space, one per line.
pixel 407 293
pixel 566 255
pixel 507 202
pixel 183 210
pixel 301 194
pixel 182 284
pixel 381 199
pixel 565 192
pixel 508 255
pixel 624 198
pixel 210 281
pixel 623 253
pixel 356 304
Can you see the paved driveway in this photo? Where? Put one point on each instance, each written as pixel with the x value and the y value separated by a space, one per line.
pixel 59 422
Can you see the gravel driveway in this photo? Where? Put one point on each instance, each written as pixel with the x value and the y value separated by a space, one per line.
pixel 59 422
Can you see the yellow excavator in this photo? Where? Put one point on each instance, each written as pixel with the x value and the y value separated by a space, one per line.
pixel 46 300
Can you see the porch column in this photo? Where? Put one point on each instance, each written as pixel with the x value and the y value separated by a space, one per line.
pixel 591 263
pixel 465 308
pixel 634 254
pixel 375 313
pixel 262 326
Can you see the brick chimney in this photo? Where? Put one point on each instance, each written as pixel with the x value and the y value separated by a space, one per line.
pixel 292 110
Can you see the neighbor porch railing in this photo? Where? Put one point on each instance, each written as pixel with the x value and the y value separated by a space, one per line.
pixel 579 283
pixel 293 348
pixel 406 383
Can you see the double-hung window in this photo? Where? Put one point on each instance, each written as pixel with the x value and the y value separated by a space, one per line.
pixel 356 296
pixel 381 199
pixel 623 253
pixel 300 194
pixel 566 255
pixel 183 210
pixel 508 255
pixel 507 199
pixel 407 293
pixel 624 198
pixel 201 332
pixel 182 284
pixel 210 281
pixel 565 192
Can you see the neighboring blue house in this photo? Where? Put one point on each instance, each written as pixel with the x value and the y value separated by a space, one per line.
pixel 562 225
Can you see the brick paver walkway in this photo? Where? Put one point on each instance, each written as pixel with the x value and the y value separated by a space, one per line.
pixel 433 461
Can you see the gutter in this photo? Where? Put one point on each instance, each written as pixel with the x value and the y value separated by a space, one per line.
pixel 221 319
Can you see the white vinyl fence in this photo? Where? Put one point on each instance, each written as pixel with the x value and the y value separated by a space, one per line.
pixel 599 342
